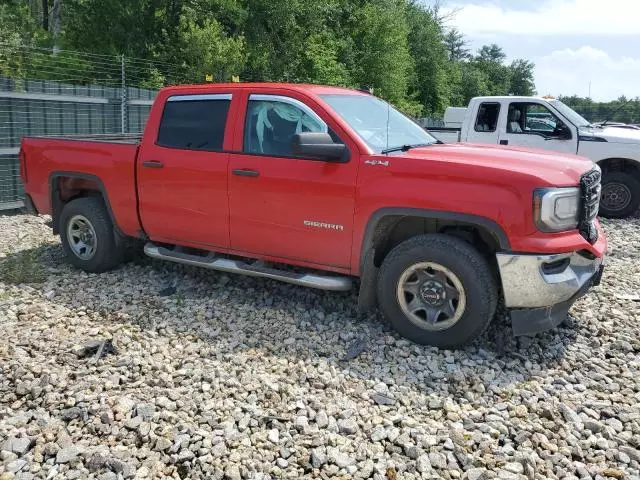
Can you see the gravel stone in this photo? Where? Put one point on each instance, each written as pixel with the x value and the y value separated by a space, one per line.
pixel 146 411
pixel 67 454
pixel 347 426
pixel 423 464
pixel 274 435
pixel 318 457
pixel 438 460
pixel 20 446
pixel 243 378
pixel 476 474
pixel 16 465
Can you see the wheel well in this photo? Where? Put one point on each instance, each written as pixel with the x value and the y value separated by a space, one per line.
pixel 620 165
pixel 392 230
pixel 66 188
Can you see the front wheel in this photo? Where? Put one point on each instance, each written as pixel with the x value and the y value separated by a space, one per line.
pixel 437 290
pixel 620 195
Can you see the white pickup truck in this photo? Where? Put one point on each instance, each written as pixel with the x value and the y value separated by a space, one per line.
pixel 542 122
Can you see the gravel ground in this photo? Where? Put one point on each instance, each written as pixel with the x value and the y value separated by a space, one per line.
pixel 216 376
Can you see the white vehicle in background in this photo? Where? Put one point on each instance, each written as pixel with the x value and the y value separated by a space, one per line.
pixel 546 123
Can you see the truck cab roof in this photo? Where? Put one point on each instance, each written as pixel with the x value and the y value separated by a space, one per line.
pixel 296 87
pixel 512 98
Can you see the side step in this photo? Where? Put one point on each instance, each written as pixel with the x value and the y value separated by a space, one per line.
pixel 255 269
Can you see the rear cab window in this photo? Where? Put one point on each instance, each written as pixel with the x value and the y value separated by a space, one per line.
pixel 487 119
pixel 194 122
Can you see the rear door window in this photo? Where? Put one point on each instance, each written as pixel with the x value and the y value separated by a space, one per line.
pixel 194 122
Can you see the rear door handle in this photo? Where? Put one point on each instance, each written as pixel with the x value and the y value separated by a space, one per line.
pixel 504 142
pixel 242 172
pixel 153 164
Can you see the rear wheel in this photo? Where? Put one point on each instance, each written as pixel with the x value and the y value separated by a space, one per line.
pixel 88 236
pixel 620 195
pixel 437 290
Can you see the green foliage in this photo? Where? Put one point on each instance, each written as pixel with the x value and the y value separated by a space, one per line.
pixel 17 28
pixel 400 48
pixel 522 78
pixel 621 110
pixel 456 46
pixel 433 69
pixel 382 50
pixel 208 50
pixel 322 64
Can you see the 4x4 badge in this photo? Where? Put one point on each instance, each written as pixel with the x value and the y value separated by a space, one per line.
pixel 384 163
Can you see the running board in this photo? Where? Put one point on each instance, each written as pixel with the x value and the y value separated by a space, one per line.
pixel 256 269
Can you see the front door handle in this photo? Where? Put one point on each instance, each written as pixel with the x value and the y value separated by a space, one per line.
pixel 242 172
pixel 504 142
pixel 153 164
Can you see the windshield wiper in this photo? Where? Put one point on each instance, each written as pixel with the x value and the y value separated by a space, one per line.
pixel 405 148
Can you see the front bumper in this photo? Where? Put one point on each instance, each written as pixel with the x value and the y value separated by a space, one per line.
pixel 540 289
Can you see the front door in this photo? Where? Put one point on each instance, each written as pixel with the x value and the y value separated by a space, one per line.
pixel 282 205
pixel 533 125
pixel 182 174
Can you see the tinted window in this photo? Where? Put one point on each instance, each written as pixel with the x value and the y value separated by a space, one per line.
pixel 487 117
pixel 194 124
pixel 271 124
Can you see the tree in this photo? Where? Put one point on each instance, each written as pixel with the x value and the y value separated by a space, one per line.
pixel 489 62
pixel 456 46
pixel 491 54
pixel 207 49
pixel 18 32
pixel 430 82
pixel 384 61
pixel 521 80
pixel 322 64
pixel 474 82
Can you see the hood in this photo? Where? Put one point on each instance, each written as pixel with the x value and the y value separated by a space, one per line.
pixel 611 134
pixel 552 168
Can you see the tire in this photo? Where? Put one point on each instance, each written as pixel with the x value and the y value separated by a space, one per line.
pixel 620 195
pixel 434 257
pixel 86 220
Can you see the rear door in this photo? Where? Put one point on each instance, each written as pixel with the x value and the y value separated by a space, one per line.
pixel 182 172
pixel 533 125
pixel 282 205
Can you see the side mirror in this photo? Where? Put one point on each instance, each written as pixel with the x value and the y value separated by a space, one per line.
pixel 561 132
pixel 317 145
pixel 564 133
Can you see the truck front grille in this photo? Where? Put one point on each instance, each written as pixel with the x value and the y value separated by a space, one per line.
pixel 589 202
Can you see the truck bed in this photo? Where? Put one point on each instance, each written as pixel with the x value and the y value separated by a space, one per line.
pixel 446 135
pixel 54 168
pixel 127 138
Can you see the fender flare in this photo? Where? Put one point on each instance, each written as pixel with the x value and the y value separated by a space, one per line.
pixel 56 204
pixel 486 223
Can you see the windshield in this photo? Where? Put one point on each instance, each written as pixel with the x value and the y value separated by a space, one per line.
pixel 574 117
pixel 380 125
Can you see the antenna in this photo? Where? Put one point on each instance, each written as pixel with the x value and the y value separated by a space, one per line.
pixel 388 117
pixel 612 115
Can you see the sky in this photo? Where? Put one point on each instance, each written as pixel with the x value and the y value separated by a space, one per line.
pixel 578 46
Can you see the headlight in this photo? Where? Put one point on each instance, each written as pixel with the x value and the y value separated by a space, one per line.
pixel 556 209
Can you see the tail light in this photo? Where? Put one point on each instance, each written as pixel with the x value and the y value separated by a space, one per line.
pixel 23 165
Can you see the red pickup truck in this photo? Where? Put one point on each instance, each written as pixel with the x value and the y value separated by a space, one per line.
pixel 316 186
